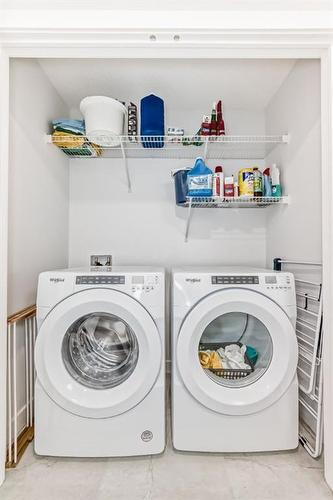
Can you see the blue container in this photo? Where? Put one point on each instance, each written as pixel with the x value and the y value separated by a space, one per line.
pixel 152 121
pixel 180 179
pixel 200 180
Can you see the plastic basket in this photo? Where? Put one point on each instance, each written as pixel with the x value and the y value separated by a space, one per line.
pixel 227 373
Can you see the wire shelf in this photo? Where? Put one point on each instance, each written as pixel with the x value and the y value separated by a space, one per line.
pixel 232 202
pixel 235 202
pixel 168 147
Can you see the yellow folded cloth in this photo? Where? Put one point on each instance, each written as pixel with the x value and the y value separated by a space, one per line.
pixel 63 140
pixel 69 141
pixel 210 359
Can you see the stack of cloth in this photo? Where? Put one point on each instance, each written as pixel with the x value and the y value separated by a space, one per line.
pixel 69 136
pixel 230 357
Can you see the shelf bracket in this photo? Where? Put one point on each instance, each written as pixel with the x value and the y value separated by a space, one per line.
pixel 205 149
pixel 125 162
pixel 188 221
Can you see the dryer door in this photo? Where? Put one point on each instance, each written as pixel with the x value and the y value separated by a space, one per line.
pixel 98 353
pixel 251 318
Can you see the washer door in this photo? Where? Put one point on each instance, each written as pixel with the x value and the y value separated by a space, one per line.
pixel 98 353
pixel 229 316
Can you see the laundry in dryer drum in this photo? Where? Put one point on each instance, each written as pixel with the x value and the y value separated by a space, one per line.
pixel 229 357
pixel 252 354
pixel 233 356
pixel 210 359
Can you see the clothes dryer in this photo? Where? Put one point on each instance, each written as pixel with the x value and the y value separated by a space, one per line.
pixel 223 411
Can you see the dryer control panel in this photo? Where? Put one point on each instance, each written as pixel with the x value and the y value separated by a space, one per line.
pixel 101 279
pixel 270 281
pixel 235 280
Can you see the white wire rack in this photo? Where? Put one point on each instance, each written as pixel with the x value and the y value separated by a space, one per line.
pixel 20 418
pixel 229 202
pixel 168 147
pixel 235 202
pixel 215 147
pixel 309 336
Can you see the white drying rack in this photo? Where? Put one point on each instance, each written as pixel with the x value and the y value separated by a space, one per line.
pixel 310 371
pixel 21 329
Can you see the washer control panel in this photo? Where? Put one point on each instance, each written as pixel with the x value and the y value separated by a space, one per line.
pixel 235 280
pixel 101 279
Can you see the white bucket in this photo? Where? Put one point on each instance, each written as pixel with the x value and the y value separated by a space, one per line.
pixel 104 120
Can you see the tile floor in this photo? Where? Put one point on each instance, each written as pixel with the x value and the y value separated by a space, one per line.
pixel 171 476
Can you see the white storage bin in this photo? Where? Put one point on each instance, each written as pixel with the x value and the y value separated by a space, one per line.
pixel 104 120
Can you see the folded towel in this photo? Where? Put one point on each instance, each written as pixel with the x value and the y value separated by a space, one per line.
pixel 66 140
pixel 76 127
pixel 75 145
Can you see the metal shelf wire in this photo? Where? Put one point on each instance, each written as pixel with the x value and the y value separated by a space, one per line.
pixel 170 147
pixel 235 202
pixel 232 202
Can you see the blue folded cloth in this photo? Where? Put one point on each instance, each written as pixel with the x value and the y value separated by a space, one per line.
pixel 71 126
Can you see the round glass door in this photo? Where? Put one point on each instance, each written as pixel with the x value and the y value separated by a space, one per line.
pixel 100 350
pixel 98 353
pixel 228 318
pixel 235 349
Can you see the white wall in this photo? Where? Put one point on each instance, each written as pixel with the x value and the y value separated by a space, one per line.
pixel 38 196
pixel 146 227
pixel 38 184
pixel 295 232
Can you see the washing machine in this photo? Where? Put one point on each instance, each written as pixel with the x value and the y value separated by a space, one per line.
pixel 229 410
pixel 100 383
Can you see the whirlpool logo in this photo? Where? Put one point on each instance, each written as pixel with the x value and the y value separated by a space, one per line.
pixel 193 280
pixel 57 280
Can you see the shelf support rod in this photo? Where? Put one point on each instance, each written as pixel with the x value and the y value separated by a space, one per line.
pixel 189 215
pixel 206 148
pixel 128 178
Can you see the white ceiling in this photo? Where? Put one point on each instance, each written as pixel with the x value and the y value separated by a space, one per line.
pixel 186 84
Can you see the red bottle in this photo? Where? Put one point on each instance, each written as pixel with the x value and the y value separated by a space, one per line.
pixel 218 182
pixel 220 128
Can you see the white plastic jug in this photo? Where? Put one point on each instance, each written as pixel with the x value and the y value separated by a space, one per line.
pixel 104 120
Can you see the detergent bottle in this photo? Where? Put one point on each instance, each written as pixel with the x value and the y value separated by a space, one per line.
pixel 200 179
pixel 275 176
